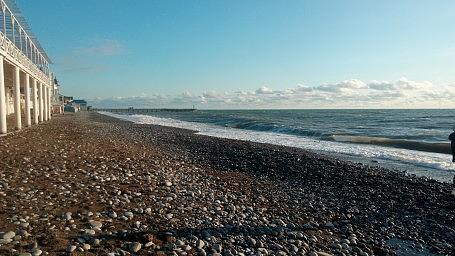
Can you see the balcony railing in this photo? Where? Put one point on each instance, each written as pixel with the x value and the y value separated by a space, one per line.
pixel 16 54
pixel 19 43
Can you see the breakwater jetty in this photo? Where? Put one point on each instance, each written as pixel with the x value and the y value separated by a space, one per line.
pixel 144 110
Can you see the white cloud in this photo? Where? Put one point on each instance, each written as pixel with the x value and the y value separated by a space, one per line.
pixel 403 93
pixel 104 48
pixel 264 90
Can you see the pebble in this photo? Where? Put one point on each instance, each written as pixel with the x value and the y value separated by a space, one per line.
pixel 96 242
pixel 254 210
pixel 252 241
pixel 9 235
pixel 68 216
pixel 36 252
pixel 71 248
pixel 217 247
pixel 135 247
pixel 324 254
pixel 95 224
pixel 90 232
pixel 200 244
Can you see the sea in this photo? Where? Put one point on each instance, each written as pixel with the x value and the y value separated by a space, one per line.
pixel 414 141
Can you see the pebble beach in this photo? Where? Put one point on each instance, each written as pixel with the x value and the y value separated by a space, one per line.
pixel 88 184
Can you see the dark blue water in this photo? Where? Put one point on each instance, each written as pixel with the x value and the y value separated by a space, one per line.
pixel 430 126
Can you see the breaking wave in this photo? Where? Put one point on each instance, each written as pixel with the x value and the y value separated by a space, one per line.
pixel 364 149
pixel 397 143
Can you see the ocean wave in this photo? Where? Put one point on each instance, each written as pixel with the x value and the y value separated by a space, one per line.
pixel 433 165
pixel 397 143
pixel 256 125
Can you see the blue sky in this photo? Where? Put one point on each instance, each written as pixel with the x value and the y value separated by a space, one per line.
pixel 210 53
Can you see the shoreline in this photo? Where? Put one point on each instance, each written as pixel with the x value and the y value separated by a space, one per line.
pixel 392 158
pixel 206 195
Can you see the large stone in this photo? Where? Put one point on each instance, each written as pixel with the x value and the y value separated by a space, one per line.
pixel 68 216
pixel 324 254
pixel 71 248
pixel 135 247
pixel 200 244
pixel 251 241
pixel 90 232
pixel 96 242
pixel 95 224
pixel 9 235
pixel 5 241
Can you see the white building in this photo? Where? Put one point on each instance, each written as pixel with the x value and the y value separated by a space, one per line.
pixel 26 83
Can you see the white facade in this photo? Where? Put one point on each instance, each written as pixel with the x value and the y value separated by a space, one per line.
pixel 26 83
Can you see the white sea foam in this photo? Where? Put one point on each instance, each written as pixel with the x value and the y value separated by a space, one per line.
pixel 433 165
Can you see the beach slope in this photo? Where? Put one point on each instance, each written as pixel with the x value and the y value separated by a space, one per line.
pixel 92 185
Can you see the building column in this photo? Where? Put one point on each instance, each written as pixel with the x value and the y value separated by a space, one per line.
pixel 3 129
pixel 49 102
pixel 35 102
pixel 17 98
pixel 46 109
pixel 40 100
pixel 28 119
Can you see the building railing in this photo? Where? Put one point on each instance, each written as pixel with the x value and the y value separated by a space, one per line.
pixel 19 43
pixel 15 53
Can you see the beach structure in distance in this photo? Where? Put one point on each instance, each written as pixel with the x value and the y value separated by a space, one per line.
pixel 82 104
pixel 26 83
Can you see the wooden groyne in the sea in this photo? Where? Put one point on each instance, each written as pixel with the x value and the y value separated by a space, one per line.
pixel 144 110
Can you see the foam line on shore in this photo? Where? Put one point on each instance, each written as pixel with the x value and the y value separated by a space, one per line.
pixel 438 166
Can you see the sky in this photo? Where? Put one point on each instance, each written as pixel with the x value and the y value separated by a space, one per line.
pixel 250 53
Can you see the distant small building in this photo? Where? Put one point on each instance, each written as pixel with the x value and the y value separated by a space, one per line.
pixel 82 104
pixel 71 108
pixel 67 99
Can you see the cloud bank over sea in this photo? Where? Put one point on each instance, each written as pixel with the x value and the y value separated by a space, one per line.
pixel 354 93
